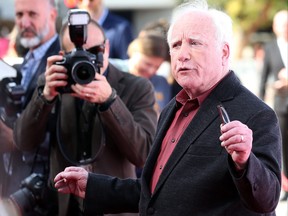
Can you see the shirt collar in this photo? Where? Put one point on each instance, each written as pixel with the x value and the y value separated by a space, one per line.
pixel 182 97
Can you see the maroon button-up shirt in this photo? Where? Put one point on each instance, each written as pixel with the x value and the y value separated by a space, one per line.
pixel 184 115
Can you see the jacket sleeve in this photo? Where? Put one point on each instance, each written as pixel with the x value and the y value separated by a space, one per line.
pixel 259 187
pixel 132 124
pixel 31 126
pixel 106 194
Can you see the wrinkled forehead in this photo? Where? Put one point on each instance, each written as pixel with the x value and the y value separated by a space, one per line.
pixel 196 24
pixel 31 6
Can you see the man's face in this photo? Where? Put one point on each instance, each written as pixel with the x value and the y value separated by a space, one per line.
pixel 197 58
pixel 143 65
pixel 33 20
pixel 95 37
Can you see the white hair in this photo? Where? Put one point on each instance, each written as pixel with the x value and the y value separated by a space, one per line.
pixel 221 20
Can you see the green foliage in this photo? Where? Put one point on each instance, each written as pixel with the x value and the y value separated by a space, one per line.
pixel 250 15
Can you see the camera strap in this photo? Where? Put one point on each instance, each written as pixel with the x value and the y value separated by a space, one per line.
pixel 90 158
pixel 87 116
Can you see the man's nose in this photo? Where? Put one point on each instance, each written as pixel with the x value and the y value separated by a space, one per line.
pixel 183 53
pixel 25 21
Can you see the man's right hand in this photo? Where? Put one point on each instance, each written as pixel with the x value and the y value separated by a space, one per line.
pixel 72 180
pixel 55 76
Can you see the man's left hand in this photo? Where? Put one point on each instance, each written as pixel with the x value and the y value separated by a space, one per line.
pixel 237 139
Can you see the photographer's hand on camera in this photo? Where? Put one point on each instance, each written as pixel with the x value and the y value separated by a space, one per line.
pixel 98 91
pixel 55 76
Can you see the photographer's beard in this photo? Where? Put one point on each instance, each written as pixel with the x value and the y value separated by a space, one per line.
pixel 36 40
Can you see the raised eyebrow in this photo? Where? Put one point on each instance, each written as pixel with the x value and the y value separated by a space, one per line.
pixel 30 12
pixel 175 42
pixel 198 40
pixel 19 13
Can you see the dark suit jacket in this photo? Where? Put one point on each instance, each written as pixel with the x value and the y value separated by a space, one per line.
pixel 128 128
pixel 120 34
pixel 199 177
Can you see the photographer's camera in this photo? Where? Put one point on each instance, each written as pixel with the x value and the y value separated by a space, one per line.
pixel 80 64
pixel 30 194
pixel 11 93
pixel 81 68
pixel 33 198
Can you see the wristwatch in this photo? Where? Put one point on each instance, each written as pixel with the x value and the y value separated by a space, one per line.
pixel 104 106
pixel 41 96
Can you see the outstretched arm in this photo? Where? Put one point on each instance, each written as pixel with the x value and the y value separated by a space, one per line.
pixel 72 180
pixel 101 193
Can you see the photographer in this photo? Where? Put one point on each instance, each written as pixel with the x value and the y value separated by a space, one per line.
pixel 106 125
pixel 36 24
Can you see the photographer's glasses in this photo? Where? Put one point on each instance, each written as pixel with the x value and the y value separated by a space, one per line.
pixel 96 49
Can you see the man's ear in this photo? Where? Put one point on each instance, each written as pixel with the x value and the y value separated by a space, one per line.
pixel 53 14
pixel 225 54
pixel 107 46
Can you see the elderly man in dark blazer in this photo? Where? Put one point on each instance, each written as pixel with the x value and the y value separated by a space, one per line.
pixel 199 164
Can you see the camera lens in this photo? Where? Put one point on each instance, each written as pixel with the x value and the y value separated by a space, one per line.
pixel 83 72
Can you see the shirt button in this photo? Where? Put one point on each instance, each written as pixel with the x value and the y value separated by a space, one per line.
pixel 160 166
pixel 173 140
pixel 185 114
pixel 150 210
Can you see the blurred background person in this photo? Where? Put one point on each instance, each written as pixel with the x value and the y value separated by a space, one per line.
pixel 35 21
pixel 160 28
pixel 273 77
pixel 248 70
pixel 146 54
pixel 117 29
pixel 15 48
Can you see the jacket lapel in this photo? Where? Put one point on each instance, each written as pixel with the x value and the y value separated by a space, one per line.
pixel 165 120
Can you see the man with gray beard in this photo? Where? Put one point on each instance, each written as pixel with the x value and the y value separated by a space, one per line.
pixel 36 23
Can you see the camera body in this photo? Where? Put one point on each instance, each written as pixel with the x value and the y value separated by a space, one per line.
pixel 11 93
pixel 81 67
pixel 80 64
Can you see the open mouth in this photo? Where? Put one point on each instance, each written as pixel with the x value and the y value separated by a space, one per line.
pixel 184 69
